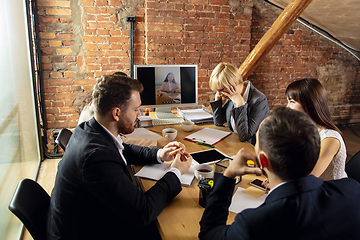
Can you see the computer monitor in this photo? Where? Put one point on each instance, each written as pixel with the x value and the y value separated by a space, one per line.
pixel 167 86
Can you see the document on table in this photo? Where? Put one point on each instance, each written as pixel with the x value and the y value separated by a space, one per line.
pixel 241 201
pixel 208 135
pixel 144 133
pixel 156 171
pixel 196 115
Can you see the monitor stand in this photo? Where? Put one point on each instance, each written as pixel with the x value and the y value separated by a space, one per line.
pixel 164 112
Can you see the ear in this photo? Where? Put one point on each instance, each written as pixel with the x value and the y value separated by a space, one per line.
pixel 264 161
pixel 116 113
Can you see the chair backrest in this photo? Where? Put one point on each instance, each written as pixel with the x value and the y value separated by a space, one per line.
pixel 63 138
pixel 352 167
pixel 30 203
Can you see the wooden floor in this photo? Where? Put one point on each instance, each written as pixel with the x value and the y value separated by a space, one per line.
pixel 351 135
pixel 46 178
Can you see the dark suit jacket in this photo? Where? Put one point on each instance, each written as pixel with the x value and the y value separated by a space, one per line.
pixel 94 196
pixel 307 208
pixel 247 117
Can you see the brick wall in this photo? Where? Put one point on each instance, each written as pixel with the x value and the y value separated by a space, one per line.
pixel 302 53
pixel 83 39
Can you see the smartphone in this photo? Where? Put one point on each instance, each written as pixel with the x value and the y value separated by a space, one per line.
pixel 257 183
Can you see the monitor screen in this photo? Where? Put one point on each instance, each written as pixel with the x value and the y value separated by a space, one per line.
pixel 168 85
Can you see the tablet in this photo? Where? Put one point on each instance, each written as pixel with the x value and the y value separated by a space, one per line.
pixel 209 156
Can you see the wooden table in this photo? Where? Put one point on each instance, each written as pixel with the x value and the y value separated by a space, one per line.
pixel 180 219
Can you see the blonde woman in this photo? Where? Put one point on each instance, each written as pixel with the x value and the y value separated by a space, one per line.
pixel 245 107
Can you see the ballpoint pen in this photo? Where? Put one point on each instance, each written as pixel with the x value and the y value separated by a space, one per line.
pixel 204 144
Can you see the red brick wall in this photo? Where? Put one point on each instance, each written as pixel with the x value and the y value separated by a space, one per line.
pixel 83 39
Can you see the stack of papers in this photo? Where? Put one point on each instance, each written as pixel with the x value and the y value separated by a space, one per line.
pixel 157 171
pixel 198 115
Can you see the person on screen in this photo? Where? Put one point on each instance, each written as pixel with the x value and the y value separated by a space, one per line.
pixel 245 106
pixel 299 205
pixel 86 109
pixel 309 96
pixel 169 85
pixel 94 196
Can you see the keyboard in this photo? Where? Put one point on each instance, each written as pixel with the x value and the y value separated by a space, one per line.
pixel 166 121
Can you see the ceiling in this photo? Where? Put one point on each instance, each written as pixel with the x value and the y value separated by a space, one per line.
pixel 339 19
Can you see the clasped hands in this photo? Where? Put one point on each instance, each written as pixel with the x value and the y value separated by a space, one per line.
pixel 175 151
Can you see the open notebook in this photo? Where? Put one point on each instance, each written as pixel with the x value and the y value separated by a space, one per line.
pixel 156 171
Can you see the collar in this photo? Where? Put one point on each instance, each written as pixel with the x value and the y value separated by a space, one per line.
pixel 247 90
pixel 117 140
pixel 294 187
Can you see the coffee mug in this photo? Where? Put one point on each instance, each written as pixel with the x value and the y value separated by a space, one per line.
pixel 203 171
pixel 187 126
pixel 169 133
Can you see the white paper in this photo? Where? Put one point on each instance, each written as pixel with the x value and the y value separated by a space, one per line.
pixel 195 114
pixel 208 135
pixel 144 133
pixel 241 201
pixel 156 171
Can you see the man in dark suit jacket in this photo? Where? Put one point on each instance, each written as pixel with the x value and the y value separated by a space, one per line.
pixel 94 196
pixel 245 106
pixel 298 206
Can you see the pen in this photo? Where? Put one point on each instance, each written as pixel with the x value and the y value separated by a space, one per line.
pixel 155 131
pixel 175 151
pixel 204 144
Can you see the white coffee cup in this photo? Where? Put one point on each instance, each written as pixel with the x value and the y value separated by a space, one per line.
pixel 169 133
pixel 187 126
pixel 203 171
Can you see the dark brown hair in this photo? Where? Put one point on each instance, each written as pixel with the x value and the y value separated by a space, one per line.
pixel 312 96
pixel 291 141
pixel 86 98
pixel 113 91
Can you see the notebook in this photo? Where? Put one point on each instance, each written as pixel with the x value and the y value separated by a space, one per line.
pixel 157 171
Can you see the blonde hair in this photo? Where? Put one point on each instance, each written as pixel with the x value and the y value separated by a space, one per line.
pixel 225 75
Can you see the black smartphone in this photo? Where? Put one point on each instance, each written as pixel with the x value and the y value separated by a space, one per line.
pixel 257 183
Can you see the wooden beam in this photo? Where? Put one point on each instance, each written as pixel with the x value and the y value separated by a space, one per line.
pixel 277 30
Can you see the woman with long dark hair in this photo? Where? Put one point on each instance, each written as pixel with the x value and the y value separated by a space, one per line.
pixel 169 84
pixel 309 96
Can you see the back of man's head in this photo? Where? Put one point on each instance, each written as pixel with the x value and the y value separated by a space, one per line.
pixel 291 141
pixel 113 91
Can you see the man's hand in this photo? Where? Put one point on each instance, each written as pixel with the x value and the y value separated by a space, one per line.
pixel 165 152
pixel 182 162
pixel 239 167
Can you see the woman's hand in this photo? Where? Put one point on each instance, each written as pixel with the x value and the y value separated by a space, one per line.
pixel 234 94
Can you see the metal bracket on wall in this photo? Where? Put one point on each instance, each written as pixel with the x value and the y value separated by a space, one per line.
pixel 131 19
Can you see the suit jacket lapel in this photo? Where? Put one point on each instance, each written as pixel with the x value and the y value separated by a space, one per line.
pixel 98 128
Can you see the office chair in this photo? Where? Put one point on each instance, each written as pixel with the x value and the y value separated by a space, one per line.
pixel 30 203
pixel 63 138
pixel 352 167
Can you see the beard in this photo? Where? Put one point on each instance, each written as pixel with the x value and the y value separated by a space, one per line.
pixel 125 126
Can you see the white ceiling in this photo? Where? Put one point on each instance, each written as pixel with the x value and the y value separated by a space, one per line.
pixel 339 18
